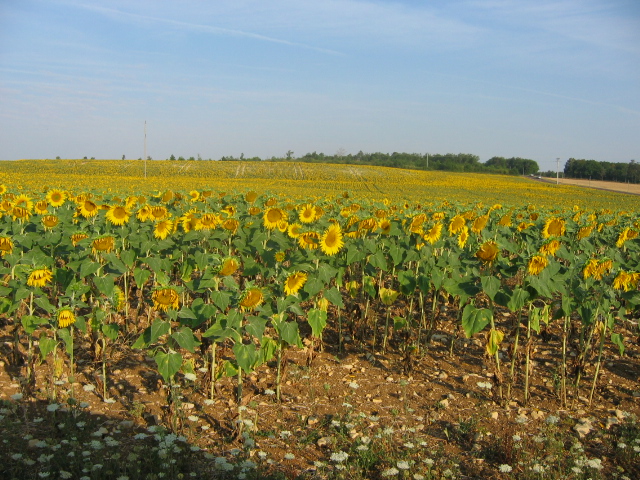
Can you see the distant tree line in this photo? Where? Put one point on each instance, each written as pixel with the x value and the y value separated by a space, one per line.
pixel 592 169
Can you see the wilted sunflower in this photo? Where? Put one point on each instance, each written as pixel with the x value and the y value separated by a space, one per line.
pixel 118 215
pixel 39 277
pixel 194 196
pixel 6 246
pixel 208 221
pixel 554 226
pixel 488 252
pixel 626 281
pixel 331 242
pixel 251 299
pixel 463 236
pixel 231 225
pixel 50 221
pixel 229 267
pixel 21 214
pixel 163 229
pixel 270 202
pixel 158 213
pixel 65 317
pixel 537 264
pixel 479 224
pixel 597 269
pixel 434 234
pixel 584 232
pixel 165 298
pixel 294 282
pixel 88 209
pixel 309 240
pixel 105 244
pixel 590 269
pixel 307 213
pixel 254 211
pixel 626 234
pixel 41 207
pixel 272 216
pixel 456 224
pixel 550 248
pixel 387 295
pixel 416 224
pixel 368 224
pixel 78 237
pixel 505 221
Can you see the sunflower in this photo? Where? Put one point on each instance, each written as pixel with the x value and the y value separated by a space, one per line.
pixel 385 226
pixel 387 295
pixel 463 236
pixel 584 232
pixel 3 189
pixel 41 207
pixel 537 264
pixel 50 221
pixel 21 214
pixel 488 252
pixel 251 299
pixel 229 210
pixel 456 224
pixel 163 229
pixel 590 269
pixel 78 237
pixel 283 226
pixel 6 246
pixel 88 209
pixel 208 221
pixel 307 213
pixel 309 240
pixel 522 226
pixel 254 211
pixel 280 256
pixel 626 234
pixel 434 234
pixel 189 221
pixel 626 281
pixel 553 227
pixel 144 213
pixel 293 230
pixel 65 317
pixel 270 202
pixel 118 298
pixel 294 282
pixel 165 298
pixel 596 269
pixel 272 216
pixel 194 196
pixel 319 212
pixel 231 225
pixel 39 277
pixel 479 224
pixel 250 197
pixel 229 267
pixel 103 244
pixel 23 201
pixel 368 224
pixel 505 221
pixel 438 216
pixel 416 224
pixel 118 215
pixel 550 248
pixel 158 213
pixel 331 242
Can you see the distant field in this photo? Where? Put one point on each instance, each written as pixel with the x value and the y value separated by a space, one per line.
pixel 632 188
pixel 296 180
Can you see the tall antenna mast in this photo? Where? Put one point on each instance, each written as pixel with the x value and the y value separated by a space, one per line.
pixel 145 149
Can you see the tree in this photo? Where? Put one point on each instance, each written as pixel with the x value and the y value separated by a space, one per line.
pixel 289 154
pixel 123 157
pixel 172 157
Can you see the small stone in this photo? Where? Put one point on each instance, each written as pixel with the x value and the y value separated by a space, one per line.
pixel 325 441
pixel 188 406
pixel 537 414
pixel 610 422
pixel 312 420
pixel 494 415
pixel 443 375
pixel 126 424
pixel 389 379
pixel 444 403
pixel 583 427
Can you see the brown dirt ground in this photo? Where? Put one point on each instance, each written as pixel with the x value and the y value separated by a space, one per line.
pixel 402 392
pixel 631 188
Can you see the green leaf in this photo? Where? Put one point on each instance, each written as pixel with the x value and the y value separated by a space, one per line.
pixel 104 285
pixel 369 286
pixel 397 254
pixel 517 300
pixel 407 281
pixel 268 347
pixel 44 303
pixel 110 330
pixel 317 320
pixel 354 254
pixel 474 319
pixel 379 260
pixel 399 323
pixel 313 286
pixel 89 267
pixel 185 338
pixel 221 299
pixel 168 364
pixel 30 323
pixel 46 346
pixel 490 285
pixel 229 368
pixel 152 333
pixel 128 257
pixel 141 275
pixel 246 356
pixel 619 341
pixel 256 326
pixel 333 295
pixel 288 332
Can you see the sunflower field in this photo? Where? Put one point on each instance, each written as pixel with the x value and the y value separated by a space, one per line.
pixel 214 273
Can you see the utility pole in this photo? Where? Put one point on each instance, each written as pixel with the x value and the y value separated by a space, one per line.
pixel 427 160
pixel 145 149
pixel 557 170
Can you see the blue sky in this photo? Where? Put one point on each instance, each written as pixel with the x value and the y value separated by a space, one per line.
pixel 537 79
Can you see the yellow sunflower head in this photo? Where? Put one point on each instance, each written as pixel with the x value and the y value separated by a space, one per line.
pixel 41 207
pixel 272 216
pixel 104 244
pixel 251 299
pixel 118 215
pixel 294 282
pixel 21 214
pixel 463 236
pixel 309 240
pixel 231 225
pixel 23 201
pixel 434 233
pixel 537 264
pixel 488 252
pixel 331 242
pixel 307 213
pixel 479 224
pixel 165 298
pixel 229 267
pixel 39 277
pixel 78 237
pixel 250 197
pixel 6 246
pixel 163 229
pixel 144 213
pixel 456 224
pixel 50 221
pixel 65 317
pixel 553 227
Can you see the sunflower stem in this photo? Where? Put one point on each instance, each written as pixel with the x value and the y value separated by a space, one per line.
pixel 212 392
pixel 595 376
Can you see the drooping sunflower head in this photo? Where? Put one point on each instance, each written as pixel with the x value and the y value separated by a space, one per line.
pixel 309 240
pixel 88 209
pixel 229 267
pixel 39 277
pixel 537 264
pixel 6 246
pixel 368 224
pixel 65 317
pixel 208 221
pixel 550 247
pixel 118 215
pixel 231 225
pixel 479 224
pixel 488 252
pixel 626 281
pixel 165 298
pixel 553 227
pixel 144 213
pixel 385 226
pixel 505 220
pixel 250 197
pixel 307 213
pixel 50 221
pixel 105 244
pixel 251 299
pixel 294 283
pixel 331 242
pixel 254 211
pixel 272 216
pixel 21 214
pixel 229 210
pixel 78 237
pixel 283 226
pixel 189 221
pixel 456 224
pixel 41 207
pixel 158 213
pixel 584 232
pixel 167 196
